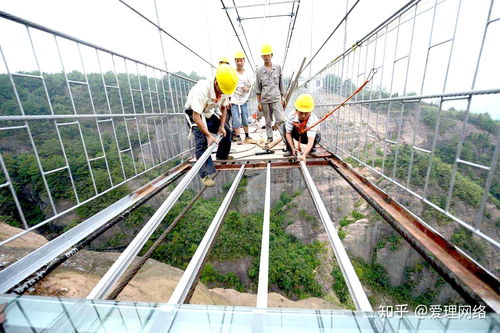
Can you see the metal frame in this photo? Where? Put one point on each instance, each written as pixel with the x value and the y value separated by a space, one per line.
pixel 24 267
pixel 384 49
pixel 107 282
pixel 476 284
pixel 152 151
pixel 192 271
pixel 356 291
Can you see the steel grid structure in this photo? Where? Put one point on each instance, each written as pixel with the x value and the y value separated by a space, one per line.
pixel 421 77
pixel 125 119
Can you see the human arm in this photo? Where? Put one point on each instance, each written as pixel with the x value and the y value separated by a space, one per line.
pixel 223 116
pixel 307 149
pixel 289 139
pixel 203 128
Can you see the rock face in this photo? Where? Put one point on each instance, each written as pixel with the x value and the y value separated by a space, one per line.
pixel 155 282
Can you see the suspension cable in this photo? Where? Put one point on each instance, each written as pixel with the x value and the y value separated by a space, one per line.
pixel 244 34
pixel 406 7
pixel 332 33
pixel 165 32
pixel 291 29
pixel 238 36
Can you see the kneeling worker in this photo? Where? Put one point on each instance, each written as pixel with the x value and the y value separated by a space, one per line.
pixel 206 108
pixel 299 120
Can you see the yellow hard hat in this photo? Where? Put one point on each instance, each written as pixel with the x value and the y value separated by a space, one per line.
pixel 227 78
pixel 304 103
pixel 266 49
pixel 223 60
pixel 239 55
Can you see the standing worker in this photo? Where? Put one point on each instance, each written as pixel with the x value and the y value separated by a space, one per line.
pixel 206 109
pixel 299 120
pixel 239 100
pixel 270 91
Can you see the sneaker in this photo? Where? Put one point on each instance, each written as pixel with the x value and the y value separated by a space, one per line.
pixel 234 138
pixel 249 140
pixel 207 181
pixel 287 153
pixel 269 140
pixel 239 141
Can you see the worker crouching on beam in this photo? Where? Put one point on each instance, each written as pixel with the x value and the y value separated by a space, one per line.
pixel 296 124
pixel 206 110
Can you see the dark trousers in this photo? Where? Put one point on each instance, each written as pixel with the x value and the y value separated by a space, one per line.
pixel 201 145
pixel 303 138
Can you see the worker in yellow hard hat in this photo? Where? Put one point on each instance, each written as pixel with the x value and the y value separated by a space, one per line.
pixel 224 61
pixel 206 110
pixel 270 91
pixel 239 100
pixel 297 121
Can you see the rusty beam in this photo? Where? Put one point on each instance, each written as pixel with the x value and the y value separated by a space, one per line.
pixel 472 281
pixel 251 164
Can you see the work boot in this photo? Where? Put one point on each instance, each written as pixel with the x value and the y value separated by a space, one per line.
pixel 249 140
pixel 207 181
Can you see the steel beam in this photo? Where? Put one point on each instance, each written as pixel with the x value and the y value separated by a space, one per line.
pixel 352 281
pixel 190 274
pixel 24 267
pixel 264 249
pixel 261 4
pixel 262 164
pixel 472 281
pixel 107 282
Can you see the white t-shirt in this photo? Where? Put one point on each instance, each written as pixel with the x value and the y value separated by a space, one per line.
pixel 202 100
pixel 240 97
pixel 293 118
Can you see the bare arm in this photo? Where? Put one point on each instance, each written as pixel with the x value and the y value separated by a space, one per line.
pixel 307 150
pixel 222 120
pixel 290 141
pixel 203 128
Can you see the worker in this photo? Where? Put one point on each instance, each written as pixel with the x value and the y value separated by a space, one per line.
pixel 298 120
pixel 270 91
pixel 223 61
pixel 206 110
pixel 239 100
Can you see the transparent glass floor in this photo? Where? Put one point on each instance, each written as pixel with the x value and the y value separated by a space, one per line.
pixel 50 314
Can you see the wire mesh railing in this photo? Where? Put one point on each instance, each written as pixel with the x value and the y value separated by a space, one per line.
pixel 423 125
pixel 78 120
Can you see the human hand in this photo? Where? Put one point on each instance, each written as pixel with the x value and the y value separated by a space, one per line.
pixel 210 140
pixel 222 131
pixel 302 158
pixel 259 107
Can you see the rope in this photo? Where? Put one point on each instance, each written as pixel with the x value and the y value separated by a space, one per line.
pixel 132 271
pixel 370 77
pixel 304 130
